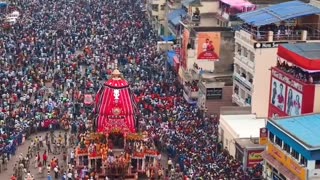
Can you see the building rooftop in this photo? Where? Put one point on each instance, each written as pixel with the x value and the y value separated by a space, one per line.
pixel 245 126
pixel 304 55
pixel 279 12
pixel 305 129
pixel 307 50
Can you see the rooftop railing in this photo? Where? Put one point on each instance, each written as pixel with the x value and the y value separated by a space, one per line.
pixel 303 32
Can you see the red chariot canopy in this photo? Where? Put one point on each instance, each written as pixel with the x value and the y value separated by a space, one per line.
pixel 299 60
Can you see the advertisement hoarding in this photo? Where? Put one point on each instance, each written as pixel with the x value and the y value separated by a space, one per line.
pixel 254 157
pixel 278 90
pixel 287 161
pixel 294 99
pixel 184 49
pixel 298 96
pixel 209 45
pixel 263 139
pixel 214 93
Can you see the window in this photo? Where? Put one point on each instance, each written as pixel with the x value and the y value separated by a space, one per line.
pixel 236 89
pixel 317 164
pixel 162 7
pixel 252 56
pixel 295 154
pixel 286 147
pixel 303 161
pixel 245 52
pixel 271 136
pixel 155 7
pixel 278 141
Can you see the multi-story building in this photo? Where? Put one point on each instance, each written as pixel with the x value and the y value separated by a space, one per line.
pixel 256 44
pixel 207 73
pixel 293 148
pixel 295 80
pixel 156 13
pixel 228 10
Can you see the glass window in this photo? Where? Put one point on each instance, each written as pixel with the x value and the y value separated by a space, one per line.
pixel 303 161
pixel 155 7
pixel 295 154
pixel 279 142
pixel 271 136
pixel 317 164
pixel 286 147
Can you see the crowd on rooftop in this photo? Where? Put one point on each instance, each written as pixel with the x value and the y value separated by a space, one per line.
pixel 60 50
pixel 301 74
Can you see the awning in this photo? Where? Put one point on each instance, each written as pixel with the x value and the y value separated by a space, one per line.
pixel 304 55
pixel 175 16
pixel 238 3
pixel 278 13
pixel 277 165
pixel 171 55
pixel 168 38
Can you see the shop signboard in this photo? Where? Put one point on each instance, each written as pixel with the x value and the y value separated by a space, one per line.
pixel 254 157
pixel 214 93
pixel 287 161
pixel 263 136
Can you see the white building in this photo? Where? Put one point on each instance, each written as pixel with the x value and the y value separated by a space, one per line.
pixel 256 48
pixel 233 127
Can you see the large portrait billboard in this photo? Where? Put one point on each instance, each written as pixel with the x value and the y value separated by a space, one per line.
pixel 184 49
pixel 209 45
pixel 294 99
pixel 278 94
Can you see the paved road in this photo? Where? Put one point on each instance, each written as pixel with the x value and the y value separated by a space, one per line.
pixel 5 175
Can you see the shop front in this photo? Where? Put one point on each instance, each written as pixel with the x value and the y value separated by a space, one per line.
pixel 279 165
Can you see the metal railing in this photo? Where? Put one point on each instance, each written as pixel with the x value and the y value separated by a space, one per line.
pixel 305 32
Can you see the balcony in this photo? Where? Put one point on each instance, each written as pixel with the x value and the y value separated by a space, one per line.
pixel 243 81
pixel 244 62
pixel 239 101
pixel 191 93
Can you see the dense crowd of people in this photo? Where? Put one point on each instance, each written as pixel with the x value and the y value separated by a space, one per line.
pixel 302 75
pixel 61 50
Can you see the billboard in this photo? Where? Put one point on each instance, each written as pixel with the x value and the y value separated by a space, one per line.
pixel 294 99
pixel 254 157
pixel 184 49
pixel 209 45
pixel 278 90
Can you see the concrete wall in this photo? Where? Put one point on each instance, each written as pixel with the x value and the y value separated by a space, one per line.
pixel 264 60
pixel 226 55
pixel 316 107
pixel 215 105
pixel 228 137
pixel 208 7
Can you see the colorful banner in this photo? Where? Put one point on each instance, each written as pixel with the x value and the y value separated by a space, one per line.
pixel 184 49
pixel 254 157
pixel 278 90
pixel 287 161
pixel 263 136
pixel 294 99
pixel 209 45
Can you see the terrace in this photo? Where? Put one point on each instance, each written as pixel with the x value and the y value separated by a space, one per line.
pixel 289 21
